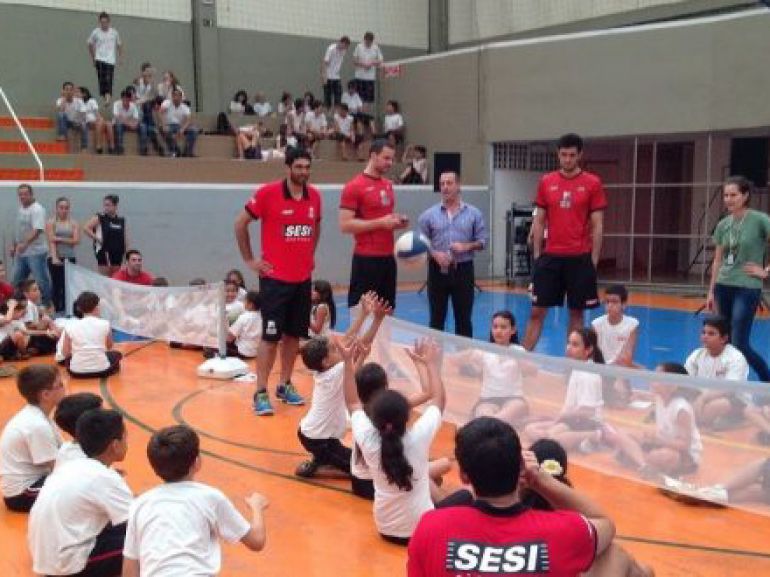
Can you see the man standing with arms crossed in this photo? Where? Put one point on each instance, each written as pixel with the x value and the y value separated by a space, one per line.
pixel 455 230
pixel 570 202
pixel 367 212
pixel 290 211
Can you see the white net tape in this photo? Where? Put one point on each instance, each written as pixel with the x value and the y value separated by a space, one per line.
pixel 624 437
pixel 190 315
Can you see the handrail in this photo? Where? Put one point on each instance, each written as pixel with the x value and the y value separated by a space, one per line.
pixel 24 134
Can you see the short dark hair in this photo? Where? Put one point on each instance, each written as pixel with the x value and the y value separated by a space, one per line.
pixel 394 103
pixel 369 35
pixel 70 408
pixel 352 84
pixel 113 198
pixel 570 140
pixel 26 186
pixel 104 15
pixel 619 291
pixel 145 66
pixel 26 285
pixel 253 298
pixel 345 40
pixel 132 252
pixel 67 83
pixel 294 153
pixel 34 379
pixel 126 93
pixel 488 452
pixel 344 107
pixel 718 323
pixel 172 452
pixel 314 352
pixel 97 428
pixel 371 378
pixel 424 151
pixel 378 144
pixel 86 302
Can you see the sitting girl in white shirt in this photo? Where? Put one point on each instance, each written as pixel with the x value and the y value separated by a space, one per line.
pixel 323 315
pixel 88 342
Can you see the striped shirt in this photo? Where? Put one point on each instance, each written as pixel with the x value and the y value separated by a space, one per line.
pixel 466 225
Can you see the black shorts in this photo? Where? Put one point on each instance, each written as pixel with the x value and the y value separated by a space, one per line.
pixel 23 502
pixel 328 452
pixel 363 488
pixel 8 349
pixel 372 273
pixel 556 276
pixel 365 90
pixel 285 309
pixel 106 257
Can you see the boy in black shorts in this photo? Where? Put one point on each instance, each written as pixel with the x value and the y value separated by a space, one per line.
pixel 570 204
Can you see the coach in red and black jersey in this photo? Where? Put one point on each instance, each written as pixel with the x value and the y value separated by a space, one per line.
pixel 570 202
pixel 498 535
pixel 290 212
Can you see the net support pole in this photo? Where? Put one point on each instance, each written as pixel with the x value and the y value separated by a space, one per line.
pixel 222 329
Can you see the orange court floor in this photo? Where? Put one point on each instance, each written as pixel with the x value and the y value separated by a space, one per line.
pixel 317 528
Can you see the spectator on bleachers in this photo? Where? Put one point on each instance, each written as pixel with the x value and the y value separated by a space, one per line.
pixel 177 123
pixel 125 116
pixel 343 130
pixel 352 99
pixel 295 123
pixel 240 103
pixel 316 125
pixel 367 57
pixel 146 98
pixel 247 142
pixel 416 172
pixel 106 51
pixel 261 106
pixel 167 84
pixel 330 71
pixel 145 89
pixel 393 124
pixel 307 102
pixel 284 105
pixel 69 115
pixel 93 120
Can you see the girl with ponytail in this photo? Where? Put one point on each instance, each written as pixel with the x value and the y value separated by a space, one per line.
pixel 397 456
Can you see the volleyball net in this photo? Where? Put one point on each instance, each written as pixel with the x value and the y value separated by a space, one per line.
pixel 636 423
pixel 192 315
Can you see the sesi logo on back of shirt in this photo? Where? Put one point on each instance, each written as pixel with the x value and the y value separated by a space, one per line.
pixel 515 558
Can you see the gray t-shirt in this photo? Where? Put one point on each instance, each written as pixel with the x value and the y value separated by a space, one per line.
pixel 32 218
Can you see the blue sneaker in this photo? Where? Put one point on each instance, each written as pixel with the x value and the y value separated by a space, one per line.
pixel 262 406
pixel 288 394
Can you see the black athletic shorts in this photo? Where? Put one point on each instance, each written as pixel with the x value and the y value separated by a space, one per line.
pixel 109 258
pixel 556 276
pixel 285 308
pixel 365 90
pixel 372 273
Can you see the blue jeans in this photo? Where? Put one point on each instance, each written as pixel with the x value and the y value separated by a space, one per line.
pixel 190 134
pixel 739 305
pixel 64 124
pixel 37 265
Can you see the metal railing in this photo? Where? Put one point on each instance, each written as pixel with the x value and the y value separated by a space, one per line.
pixel 23 134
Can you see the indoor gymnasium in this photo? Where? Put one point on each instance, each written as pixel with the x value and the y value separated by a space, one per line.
pixel 406 287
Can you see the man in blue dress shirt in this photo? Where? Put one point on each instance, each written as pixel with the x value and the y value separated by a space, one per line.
pixel 456 230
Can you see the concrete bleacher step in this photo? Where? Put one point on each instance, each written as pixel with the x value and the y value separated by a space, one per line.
pixel 34 134
pixel 49 174
pixel 29 122
pixel 28 161
pixel 45 147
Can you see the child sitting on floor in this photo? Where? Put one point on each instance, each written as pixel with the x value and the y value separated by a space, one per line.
pixel 243 336
pixel 88 342
pixel 13 334
pixel 29 442
pixel 68 411
pixel 175 527
pixel 323 315
pixel 233 306
pixel 41 328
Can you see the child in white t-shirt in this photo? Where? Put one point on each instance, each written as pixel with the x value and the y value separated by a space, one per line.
pixel 29 442
pixel 675 447
pixel 92 119
pixel 397 456
pixel 323 314
pixel 79 518
pixel 502 393
pixel 618 334
pixel 175 528
pixel 393 124
pixel 580 421
pixel 88 342
pixel 244 334
pixel 14 337
pixel 321 429
pixel 233 305
pixel 41 329
pixel 66 416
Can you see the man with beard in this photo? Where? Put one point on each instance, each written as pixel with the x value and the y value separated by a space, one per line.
pixel 290 211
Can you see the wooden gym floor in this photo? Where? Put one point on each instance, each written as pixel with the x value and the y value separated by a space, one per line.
pixel 317 528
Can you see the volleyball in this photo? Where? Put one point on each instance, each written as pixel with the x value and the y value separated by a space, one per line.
pixel 412 249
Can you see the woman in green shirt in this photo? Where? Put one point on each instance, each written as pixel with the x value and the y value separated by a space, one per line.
pixel 736 277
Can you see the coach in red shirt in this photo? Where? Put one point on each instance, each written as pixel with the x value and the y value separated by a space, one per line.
pixel 497 534
pixel 367 212
pixel 570 204
pixel 132 271
pixel 290 211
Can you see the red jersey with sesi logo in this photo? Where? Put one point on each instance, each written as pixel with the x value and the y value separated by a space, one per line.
pixel 568 204
pixel 288 230
pixel 474 541
pixel 370 198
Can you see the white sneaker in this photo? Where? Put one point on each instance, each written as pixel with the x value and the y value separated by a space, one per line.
pixel 715 494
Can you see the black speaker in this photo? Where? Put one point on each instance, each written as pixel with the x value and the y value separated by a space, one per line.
pixel 749 158
pixel 445 162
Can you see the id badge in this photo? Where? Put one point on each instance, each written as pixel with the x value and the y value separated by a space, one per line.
pixel 730 261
